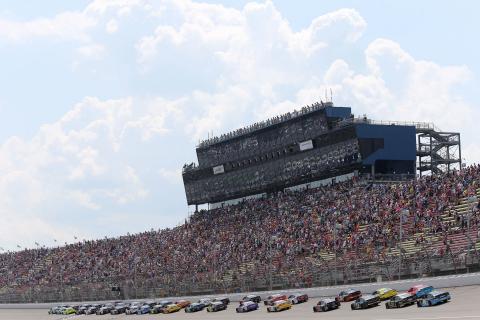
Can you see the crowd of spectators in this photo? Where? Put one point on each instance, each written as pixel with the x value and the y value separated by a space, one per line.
pixel 263 124
pixel 295 169
pixel 281 231
pixel 265 141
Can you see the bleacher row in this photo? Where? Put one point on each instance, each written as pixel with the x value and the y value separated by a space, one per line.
pixel 309 164
pixel 263 142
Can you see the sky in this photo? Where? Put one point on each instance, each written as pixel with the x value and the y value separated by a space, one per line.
pixel 102 102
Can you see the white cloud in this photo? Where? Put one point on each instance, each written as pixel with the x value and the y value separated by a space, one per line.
pixel 67 25
pixel 106 156
pixel 112 26
pixel 173 176
pixel 92 51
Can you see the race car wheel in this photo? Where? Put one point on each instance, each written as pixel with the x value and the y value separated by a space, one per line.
pixel 324 308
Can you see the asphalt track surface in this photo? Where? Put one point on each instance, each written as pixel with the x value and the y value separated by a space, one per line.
pixel 465 304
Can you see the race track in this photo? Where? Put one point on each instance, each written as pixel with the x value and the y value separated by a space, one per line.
pixel 464 305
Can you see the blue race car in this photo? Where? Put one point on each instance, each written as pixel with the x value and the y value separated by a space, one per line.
pixel 433 298
pixel 145 309
pixel 247 306
pixel 420 290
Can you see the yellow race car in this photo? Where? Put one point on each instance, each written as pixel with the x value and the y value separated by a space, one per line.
pixel 69 310
pixel 171 308
pixel 385 293
pixel 280 306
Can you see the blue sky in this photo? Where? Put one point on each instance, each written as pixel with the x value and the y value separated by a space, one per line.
pixel 103 101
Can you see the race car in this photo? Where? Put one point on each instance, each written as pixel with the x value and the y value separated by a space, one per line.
pixel 195 307
pixel 183 303
pixel 420 290
pixel 401 300
pixel 223 300
pixel 83 308
pixel 297 298
pixel 279 305
pixel 105 309
pixel 119 308
pixel 93 309
pixel 433 298
pixel 216 306
pixel 171 308
pixel 252 297
pixel 247 306
pixel 273 298
pixel 56 310
pixel 53 310
pixel 365 302
pixel 326 304
pixel 205 301
pixel 384 293
pixel 133 307
pixel 69 310
pixel 158 308
pixel 349 295
pixel 145 309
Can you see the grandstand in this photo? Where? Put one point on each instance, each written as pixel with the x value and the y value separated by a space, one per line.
pixel 318 142
pixel 314 234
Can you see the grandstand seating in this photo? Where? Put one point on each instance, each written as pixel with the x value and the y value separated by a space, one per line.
pixel 290 234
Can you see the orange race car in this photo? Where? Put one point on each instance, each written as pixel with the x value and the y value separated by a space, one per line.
pixel 183 303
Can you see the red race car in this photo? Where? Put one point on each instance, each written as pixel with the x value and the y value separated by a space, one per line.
pixel 349 295
pixel 420 290
pixel 276 297
pixel 297 298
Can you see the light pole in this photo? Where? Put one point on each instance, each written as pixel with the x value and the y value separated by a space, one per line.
pixel 335 249
pixel 403 212
pixel 270 252
pixel 175 273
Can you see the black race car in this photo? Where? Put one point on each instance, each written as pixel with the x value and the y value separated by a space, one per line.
pixel 252 297
pixel 93 309
pixel 364 302
pixel 223 300
pixel 119 308
pixel 326 304
pixel 83 308
pixel 195 307
pixel 401 300
pixel 216 306
pixel 158 308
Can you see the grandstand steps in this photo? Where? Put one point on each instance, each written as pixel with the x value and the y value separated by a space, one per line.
pixel 247 267
pixel 327 256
